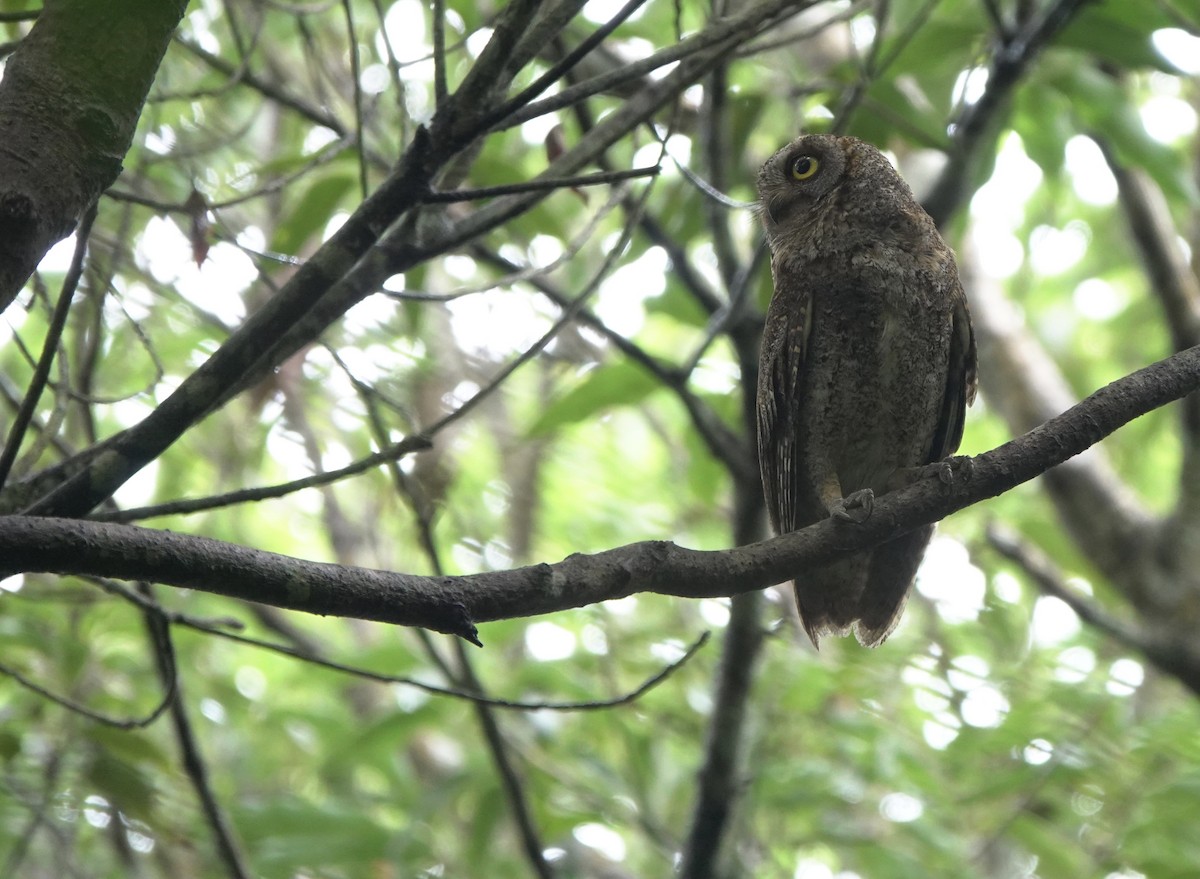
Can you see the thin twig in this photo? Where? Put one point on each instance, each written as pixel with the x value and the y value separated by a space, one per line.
pixel 454 604
pixel 732 31
pixel 558 70
pixel 194 764
pixel 268 89
pixel 356 78
pixel 222 631
pixel 89 713
pixel 440 90
pixel 58 322
pixel 722 443
pixel 406 446
pixel 734 312
pixel 459 195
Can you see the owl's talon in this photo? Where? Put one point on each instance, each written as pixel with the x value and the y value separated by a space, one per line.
pixel 945 470
pixel 855 508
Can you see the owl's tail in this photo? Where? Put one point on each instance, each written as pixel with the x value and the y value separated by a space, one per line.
pixel 864 594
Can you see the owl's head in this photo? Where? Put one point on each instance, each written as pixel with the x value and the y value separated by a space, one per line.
pixel 820 187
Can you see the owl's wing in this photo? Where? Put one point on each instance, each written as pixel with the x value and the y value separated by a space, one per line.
pixel 780 372
pixel 960 381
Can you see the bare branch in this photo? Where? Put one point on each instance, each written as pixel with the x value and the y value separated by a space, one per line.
pixel 457 195
pixel 453 604
pixel 194 763
pixel 309 657
pixel 41 373
pixel 720 778
pixel 1022 382
pixel 82 710
pixel 1172 654
pixel 394 452
pixel 976 125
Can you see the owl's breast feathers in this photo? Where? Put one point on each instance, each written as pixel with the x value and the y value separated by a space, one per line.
pixel 866 369
pixel 867 364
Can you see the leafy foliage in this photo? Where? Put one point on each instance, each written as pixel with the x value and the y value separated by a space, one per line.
pixel 994 735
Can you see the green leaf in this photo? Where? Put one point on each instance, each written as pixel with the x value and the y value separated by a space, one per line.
pixel 1104 109
pixel 676 302
pixel 1050 842
pixel 311 213
pixel 290 837
pixel 1120 33
pixel 10 745
pixel 606 386
pixel 128 786
pixel 1042 118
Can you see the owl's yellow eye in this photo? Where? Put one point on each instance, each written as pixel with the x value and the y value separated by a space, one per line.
pixel 805 167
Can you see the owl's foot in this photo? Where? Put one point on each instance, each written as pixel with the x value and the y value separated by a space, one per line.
pixel 950 469
pixel 946 471
pixel 855 507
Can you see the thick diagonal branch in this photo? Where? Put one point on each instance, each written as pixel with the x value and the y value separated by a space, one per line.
pixel 357 259
pixel 455 604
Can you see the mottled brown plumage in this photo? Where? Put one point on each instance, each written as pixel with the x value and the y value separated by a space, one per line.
pixel 867 366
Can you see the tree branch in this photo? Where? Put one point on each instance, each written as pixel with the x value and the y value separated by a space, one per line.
pixel 64 128
pixel 977 124
pixel 1177 656
pixel 453 604
pixel 722 776
pixel 1177 289
pixel 194 764
pixel 41 373
pixel 360 256
pixel 1102 515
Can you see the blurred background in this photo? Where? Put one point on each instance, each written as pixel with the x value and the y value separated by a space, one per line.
pixel 1035 714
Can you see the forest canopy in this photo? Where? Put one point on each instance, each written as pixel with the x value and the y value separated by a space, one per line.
pixel 342 337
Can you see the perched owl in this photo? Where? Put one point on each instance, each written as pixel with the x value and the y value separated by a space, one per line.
pixel 866 370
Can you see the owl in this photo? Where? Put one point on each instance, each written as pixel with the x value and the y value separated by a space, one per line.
pixel 866 368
